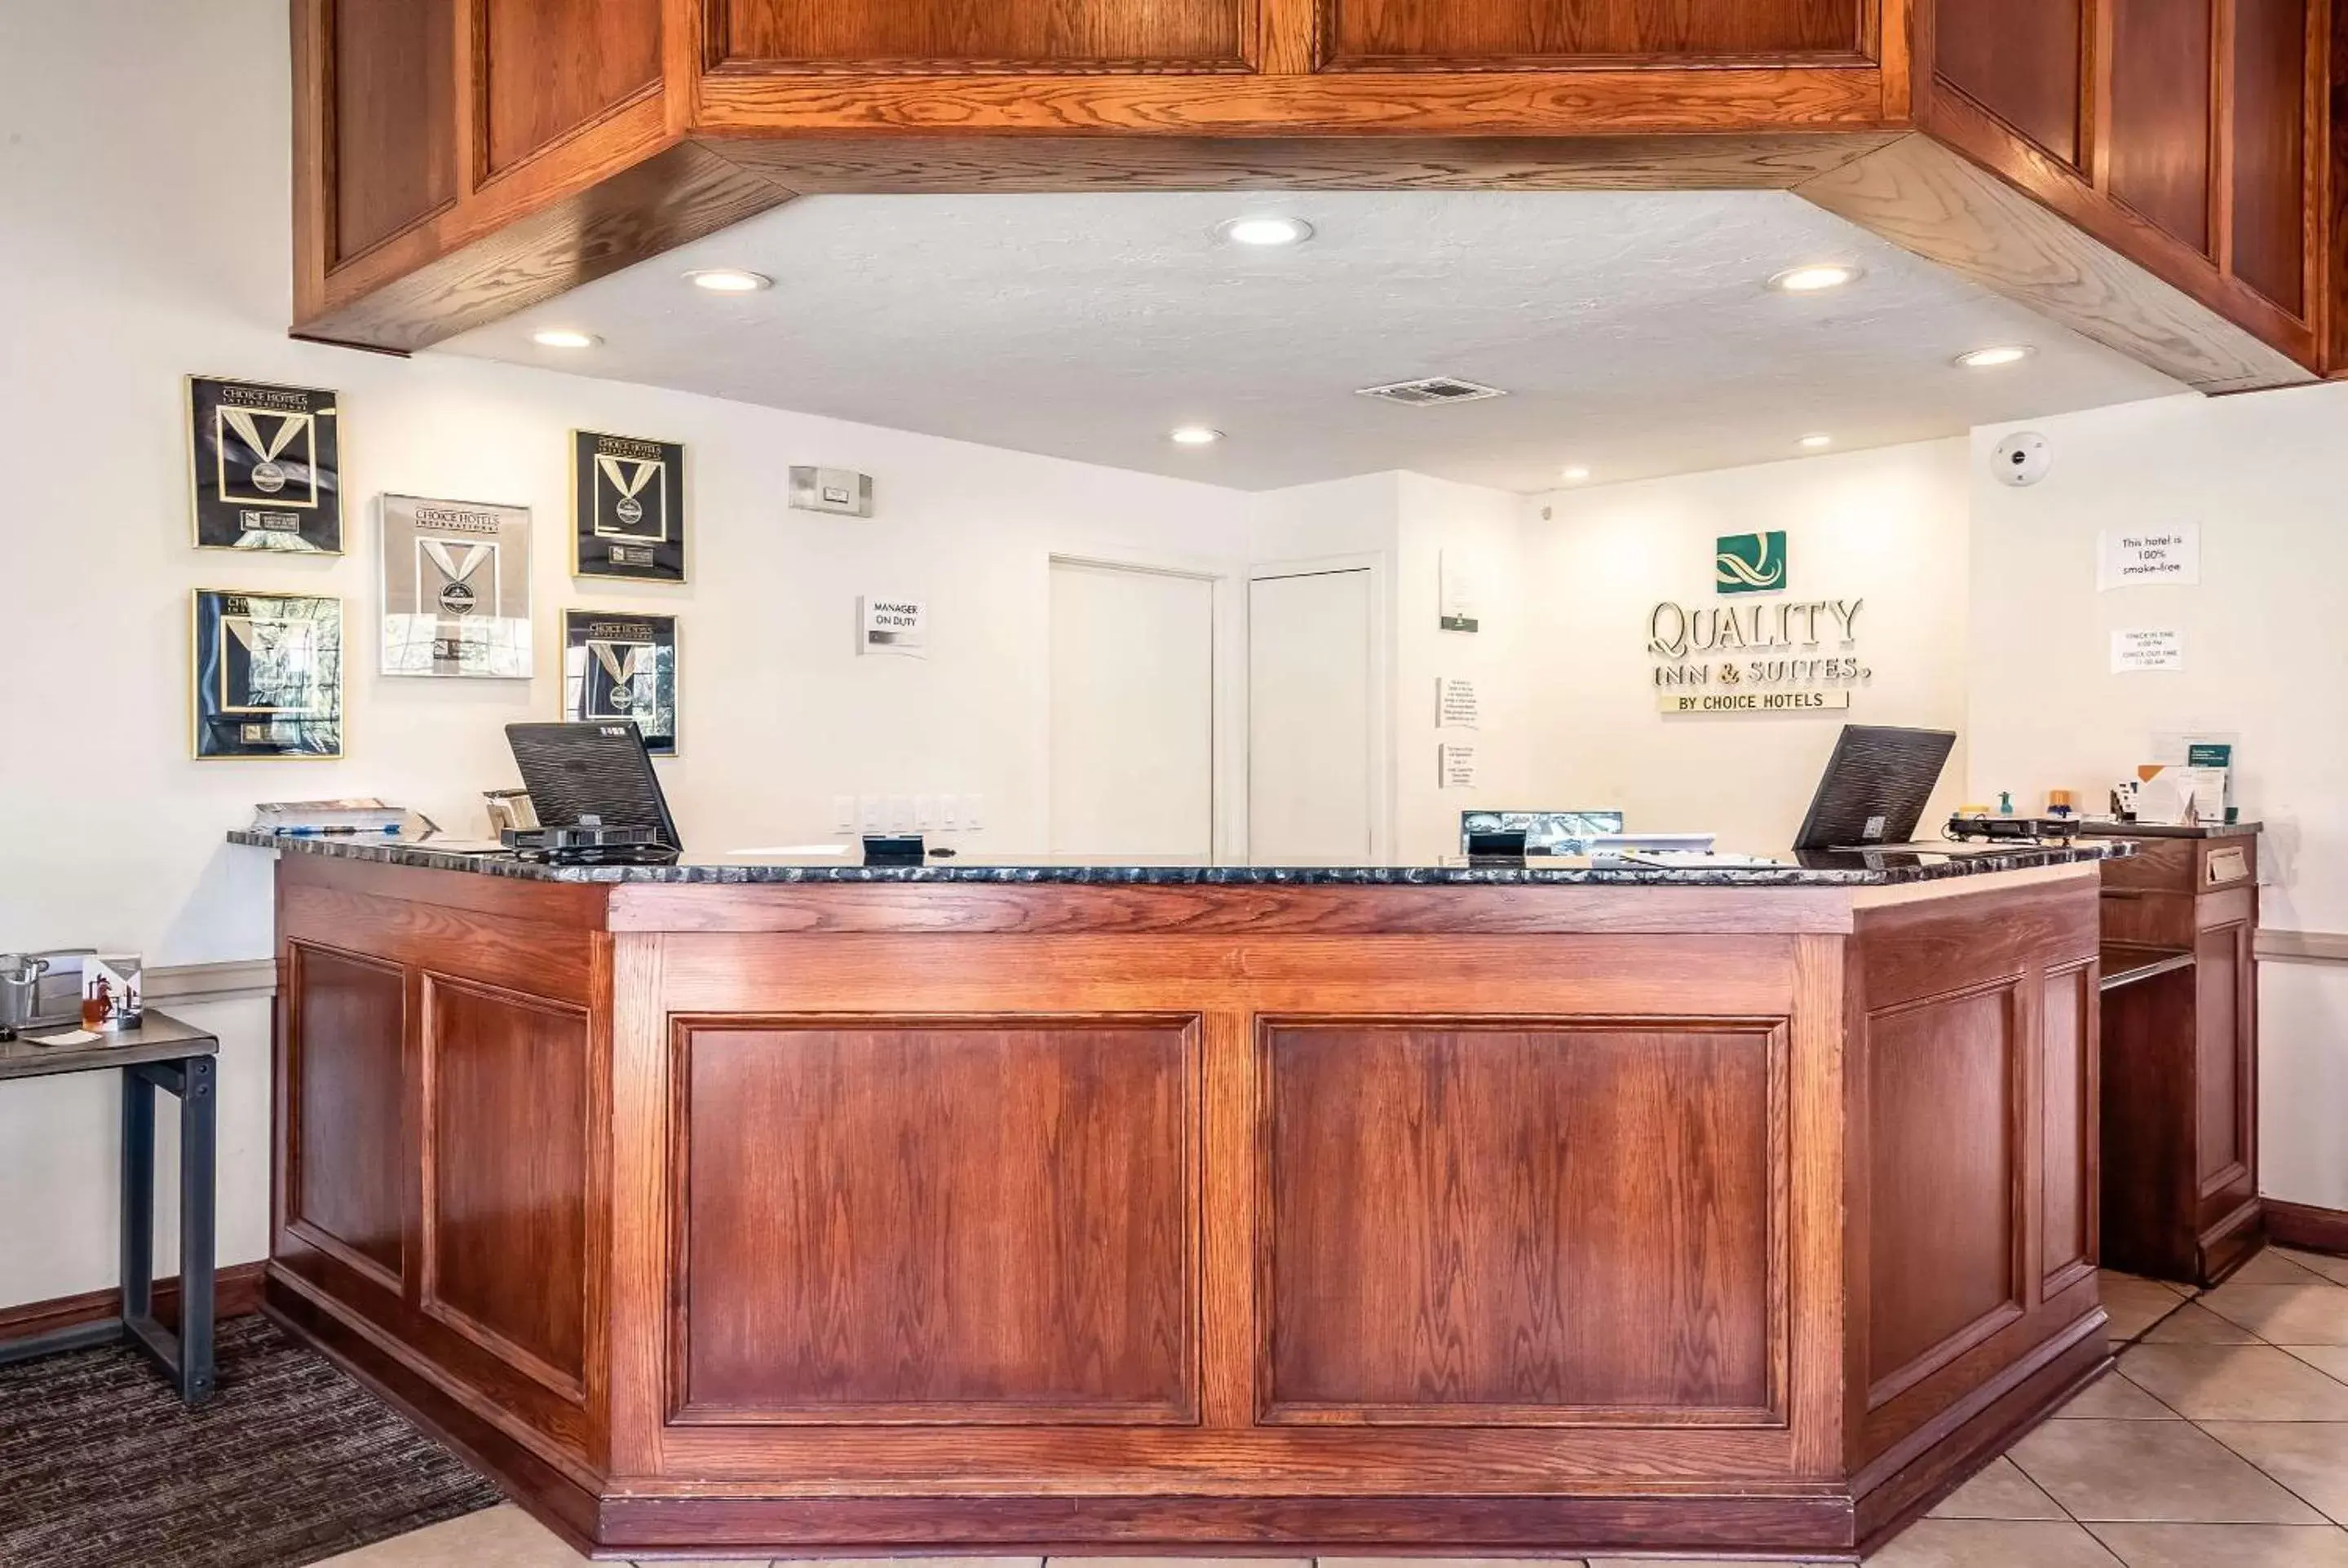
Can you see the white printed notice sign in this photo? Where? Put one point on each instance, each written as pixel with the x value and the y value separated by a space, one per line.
pixel 2127 557
pixel 2154 649
pixel 1457 705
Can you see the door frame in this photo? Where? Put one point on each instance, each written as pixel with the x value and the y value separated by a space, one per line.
pixel 1227 685
pixel 1383 614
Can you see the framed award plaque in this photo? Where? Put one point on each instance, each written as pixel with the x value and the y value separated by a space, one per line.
pixel 618 664
pixel 455 589
pixel 266 466
pixel 268 675
pixel 627 503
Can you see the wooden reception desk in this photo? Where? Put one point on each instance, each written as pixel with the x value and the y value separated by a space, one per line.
pixel 788 1210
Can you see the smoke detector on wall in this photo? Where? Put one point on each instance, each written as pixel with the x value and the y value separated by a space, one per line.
pixel 2022 458
pixel 1429 391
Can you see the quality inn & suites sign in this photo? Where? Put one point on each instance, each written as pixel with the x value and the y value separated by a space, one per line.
pixel 1783 656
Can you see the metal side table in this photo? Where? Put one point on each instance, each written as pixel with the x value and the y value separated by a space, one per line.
pixel 166 1054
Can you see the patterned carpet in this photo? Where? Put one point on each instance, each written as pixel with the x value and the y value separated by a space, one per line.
pixel 290 1461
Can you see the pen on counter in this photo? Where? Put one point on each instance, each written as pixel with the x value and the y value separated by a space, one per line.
pixel 336 832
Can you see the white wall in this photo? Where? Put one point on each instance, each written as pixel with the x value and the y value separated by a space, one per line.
pixel 2264 476
pixel 147 237
pixel 1888 526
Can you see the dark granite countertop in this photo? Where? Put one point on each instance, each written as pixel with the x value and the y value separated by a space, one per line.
pixel 1867 868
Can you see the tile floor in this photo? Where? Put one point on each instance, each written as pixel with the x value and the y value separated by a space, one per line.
pixel 2221 1442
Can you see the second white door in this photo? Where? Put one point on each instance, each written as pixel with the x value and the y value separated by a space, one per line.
pixel 1133 712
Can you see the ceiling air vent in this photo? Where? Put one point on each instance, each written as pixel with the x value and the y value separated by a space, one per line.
pixel 1431 391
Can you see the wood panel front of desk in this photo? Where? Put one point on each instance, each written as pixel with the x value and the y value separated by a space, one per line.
pixel 913 1217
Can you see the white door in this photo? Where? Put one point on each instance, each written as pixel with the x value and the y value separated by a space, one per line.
pixel 1133 712
pixel 1312 736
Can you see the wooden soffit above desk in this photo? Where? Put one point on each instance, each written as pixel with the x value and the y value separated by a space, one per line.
pixel 2159 175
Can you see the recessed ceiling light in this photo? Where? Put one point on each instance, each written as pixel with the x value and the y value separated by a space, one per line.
pixel 1815 442
pixel 1813 279
pixel 1991 358
pixel 1266 233
pixel 563 337
pixel 1193 435
pixel 729 280
pixel 1573 476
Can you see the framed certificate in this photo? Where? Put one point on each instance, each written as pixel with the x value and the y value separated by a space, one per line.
pixel 618 664
pixel 627 503
pixel 267 675
pixel 264 467
pixel 455 589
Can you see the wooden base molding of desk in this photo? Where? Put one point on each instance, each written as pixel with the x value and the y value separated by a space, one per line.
pixel 2306 1227
pixel 801 1219
pixel 236 1291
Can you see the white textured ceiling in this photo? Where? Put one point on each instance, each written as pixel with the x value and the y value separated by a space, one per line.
pixel 1632 329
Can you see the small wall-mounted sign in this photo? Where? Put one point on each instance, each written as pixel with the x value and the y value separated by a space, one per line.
pixel 2127 557
pixel 1459 705
pixel 1458 764
pixel 890 625
pixel 1461 592
pixel 842 492
pixel 2161 648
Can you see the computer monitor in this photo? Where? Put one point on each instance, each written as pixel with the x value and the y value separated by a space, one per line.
pixel 593 771
pixel 1875 788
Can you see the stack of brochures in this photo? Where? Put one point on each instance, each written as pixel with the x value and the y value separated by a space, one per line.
pixel 358 816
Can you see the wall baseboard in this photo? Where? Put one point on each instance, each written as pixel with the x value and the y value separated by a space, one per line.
pixel 2304 947
pixel 236 1290
pixel 168 983
pixel 2307 1227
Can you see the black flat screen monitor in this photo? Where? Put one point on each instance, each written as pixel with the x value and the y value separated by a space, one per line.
pixel 575 773
pixel 1875 788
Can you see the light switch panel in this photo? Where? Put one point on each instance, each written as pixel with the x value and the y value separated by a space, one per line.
pixel 843 814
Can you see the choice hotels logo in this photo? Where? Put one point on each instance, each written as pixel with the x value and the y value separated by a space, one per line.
pixel 1750 563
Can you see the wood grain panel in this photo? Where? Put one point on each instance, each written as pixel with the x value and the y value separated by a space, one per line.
pixel 348 1155
pixel 814 165
pixel 2067 1156
pixel 506 1103
pixel 962 1221
pixel 2160 114
pixel 1207 911
pixel 546 68
pixel 2273 228
pixel 1510 33
pixel 521 955
pixel 1910 952
pixel 1577 977
pixel 1528 1223
pixel 1944 1172
pixel 977 34
pixel 2065 250
pixel 393 97
pixel 2147 1120
pixel 2220 1072
pixel 2022 61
